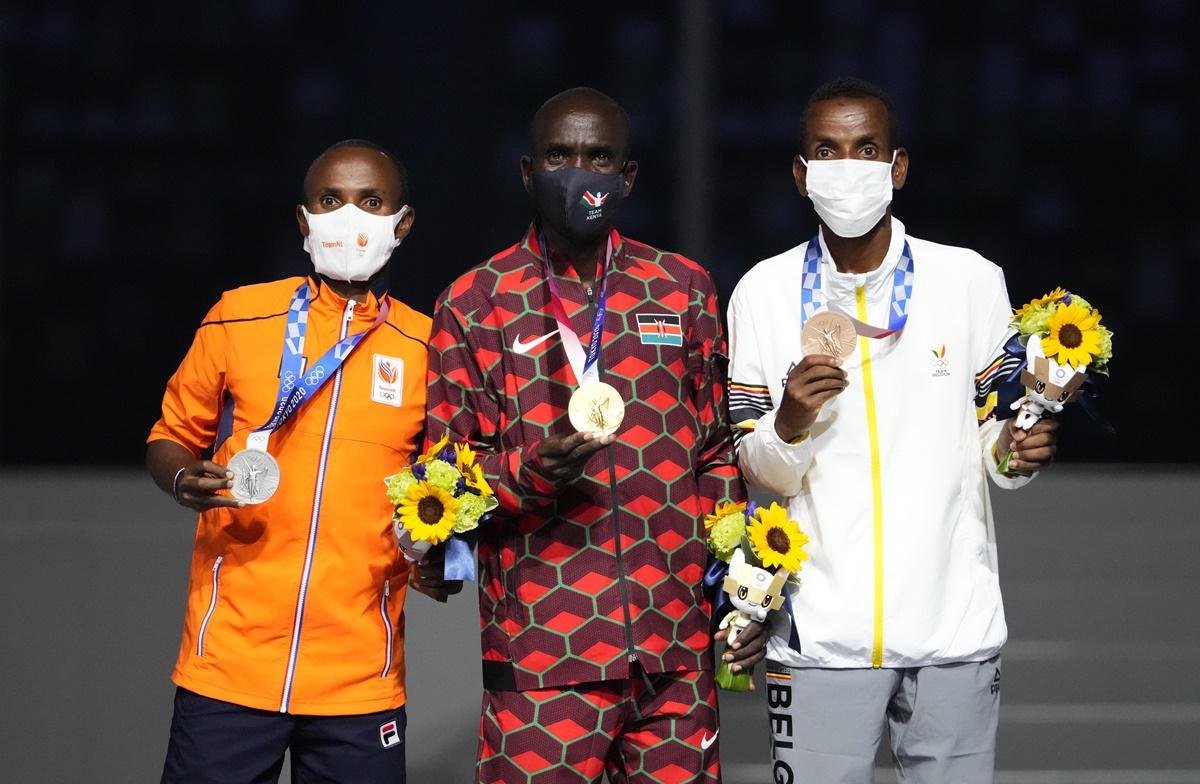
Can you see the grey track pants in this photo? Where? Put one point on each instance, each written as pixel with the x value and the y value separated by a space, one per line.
pixel 826 725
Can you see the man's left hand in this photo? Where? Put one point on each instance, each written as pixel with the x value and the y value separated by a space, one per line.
pixel 748 649
pixel 426 577
pixel 1033 449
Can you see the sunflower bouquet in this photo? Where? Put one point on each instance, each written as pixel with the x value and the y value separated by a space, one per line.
pixel 763 550
pixel 441 494
pixel 1063 341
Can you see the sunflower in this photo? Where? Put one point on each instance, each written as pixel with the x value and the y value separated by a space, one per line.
pixel 428 513
pixel 466 458
pixel 724 509
pixel 1054 296
pixel 1073 337
pixel 776 540
pixel 435 451
pixel 477 481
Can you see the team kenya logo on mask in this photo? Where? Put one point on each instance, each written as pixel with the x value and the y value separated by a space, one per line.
pixel 594 202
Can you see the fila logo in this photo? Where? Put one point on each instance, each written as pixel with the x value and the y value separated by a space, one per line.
pixel 524 348
pixel 706 741
pixel 387 382
pixel 389 734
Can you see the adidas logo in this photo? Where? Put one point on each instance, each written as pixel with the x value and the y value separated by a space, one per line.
pixel 996 682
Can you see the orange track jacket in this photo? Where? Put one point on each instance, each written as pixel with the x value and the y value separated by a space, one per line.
pixel 296 604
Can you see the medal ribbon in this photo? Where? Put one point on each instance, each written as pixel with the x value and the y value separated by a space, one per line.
pixel 584 365
pixel 811 298
pixel 295 386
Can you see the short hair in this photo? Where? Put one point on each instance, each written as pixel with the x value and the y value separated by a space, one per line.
pixel 595 96
pixel 364 144
pixel 852 87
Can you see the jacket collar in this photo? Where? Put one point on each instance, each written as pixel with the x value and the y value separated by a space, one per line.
pixel 531 243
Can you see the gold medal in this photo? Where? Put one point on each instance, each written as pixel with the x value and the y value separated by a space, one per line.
pixel 596 408
pixel 828 332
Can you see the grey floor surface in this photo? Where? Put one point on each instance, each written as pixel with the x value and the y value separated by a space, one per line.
pixel 1098 564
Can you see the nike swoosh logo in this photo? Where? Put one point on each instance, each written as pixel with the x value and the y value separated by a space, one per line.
pixel 525 348
pixel 706 741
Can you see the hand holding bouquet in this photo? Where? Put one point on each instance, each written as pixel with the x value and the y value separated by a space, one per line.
pixel 441 494
pixel 764 550
pixel 1064 341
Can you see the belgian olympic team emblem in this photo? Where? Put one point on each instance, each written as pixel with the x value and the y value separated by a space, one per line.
pixel 940 364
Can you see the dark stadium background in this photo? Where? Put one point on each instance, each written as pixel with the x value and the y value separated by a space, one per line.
pixel 151 156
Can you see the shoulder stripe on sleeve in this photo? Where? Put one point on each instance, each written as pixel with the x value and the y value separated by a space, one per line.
pixel 747 403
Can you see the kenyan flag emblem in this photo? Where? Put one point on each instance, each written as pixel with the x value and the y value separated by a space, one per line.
pixel 593 200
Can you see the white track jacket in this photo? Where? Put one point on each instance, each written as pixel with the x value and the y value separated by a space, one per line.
pixel 890 484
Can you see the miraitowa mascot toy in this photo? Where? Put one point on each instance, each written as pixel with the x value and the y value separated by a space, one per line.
pixel 1048 385
pixel 753 591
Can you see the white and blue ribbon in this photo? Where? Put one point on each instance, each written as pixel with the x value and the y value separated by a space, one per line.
pixel 296 386
pixel 812 300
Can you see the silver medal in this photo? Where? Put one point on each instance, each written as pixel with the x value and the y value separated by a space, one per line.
pixel 255 475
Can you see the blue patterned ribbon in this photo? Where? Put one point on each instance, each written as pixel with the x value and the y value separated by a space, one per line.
pixel 296 387
pixel 811 298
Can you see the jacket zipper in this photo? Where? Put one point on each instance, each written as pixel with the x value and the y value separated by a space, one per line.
pixel 860 297
pixel 631 656
pixel 212 604
pixel 314 520
pixel 387 627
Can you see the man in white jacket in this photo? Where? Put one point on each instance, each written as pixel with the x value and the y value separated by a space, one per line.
pixel 883 459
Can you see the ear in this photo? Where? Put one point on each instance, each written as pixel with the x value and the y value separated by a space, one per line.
pixel 900 169
pixel 628 175
pixel 800 175
pixel 300 219
pixel 527 173
pixel 738 559
pixel 406 223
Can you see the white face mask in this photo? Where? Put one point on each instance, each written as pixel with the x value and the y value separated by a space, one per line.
pixel 349 243
pixel 850 195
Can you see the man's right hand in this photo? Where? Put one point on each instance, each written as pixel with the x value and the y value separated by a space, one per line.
pixel 200 483
pixel 815 380
pixel 563 457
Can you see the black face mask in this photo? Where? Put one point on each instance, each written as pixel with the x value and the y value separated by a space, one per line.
pixel 577 203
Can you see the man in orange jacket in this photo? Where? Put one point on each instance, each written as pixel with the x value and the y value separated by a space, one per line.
pixel 308 391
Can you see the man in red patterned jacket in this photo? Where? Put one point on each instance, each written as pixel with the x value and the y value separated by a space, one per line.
pixel 596 649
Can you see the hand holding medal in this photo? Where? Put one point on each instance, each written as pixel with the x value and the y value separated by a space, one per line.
pixel 827 337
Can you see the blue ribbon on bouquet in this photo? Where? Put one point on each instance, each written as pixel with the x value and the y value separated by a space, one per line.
pixel 460 556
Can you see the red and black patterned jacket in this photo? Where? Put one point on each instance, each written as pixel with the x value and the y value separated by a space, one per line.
pixel 562 598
